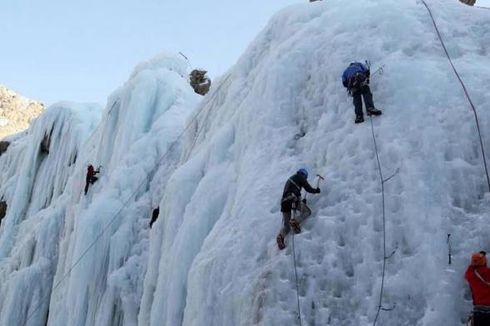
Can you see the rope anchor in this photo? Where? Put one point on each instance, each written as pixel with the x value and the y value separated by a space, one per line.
pixel 388 309
pixel 449 248
pixel 391 176
pixel 392 253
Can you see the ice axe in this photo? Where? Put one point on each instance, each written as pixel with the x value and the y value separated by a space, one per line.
pixel 320 178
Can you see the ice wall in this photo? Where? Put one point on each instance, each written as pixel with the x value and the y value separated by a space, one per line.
pixel 213 258
pixel 51 223
pixel 216 170
pixel 37 186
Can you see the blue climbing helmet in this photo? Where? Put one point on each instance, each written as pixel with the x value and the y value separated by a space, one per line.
pixel 303 172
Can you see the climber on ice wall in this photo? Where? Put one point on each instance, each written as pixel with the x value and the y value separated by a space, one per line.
pixel 291 203
pixel 91 178
pixel 478 277
pixel 356 79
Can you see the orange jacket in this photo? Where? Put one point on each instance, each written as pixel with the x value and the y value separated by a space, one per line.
pixel 479 289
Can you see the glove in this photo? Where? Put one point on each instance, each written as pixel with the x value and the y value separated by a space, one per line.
pixel 317 190
pixel 304 201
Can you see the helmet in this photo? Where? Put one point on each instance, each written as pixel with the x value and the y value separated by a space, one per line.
pixel 303 172
pixel 478 259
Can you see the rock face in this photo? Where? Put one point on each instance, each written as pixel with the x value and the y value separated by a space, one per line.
pixel 16 112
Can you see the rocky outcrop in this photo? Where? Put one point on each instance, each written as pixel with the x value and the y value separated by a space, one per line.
pixel 16 112
pixel 199 81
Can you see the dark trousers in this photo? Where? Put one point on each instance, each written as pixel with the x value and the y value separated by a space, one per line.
pixel 89 180
pixel 365 92
pixel 301 214
pixel 481 319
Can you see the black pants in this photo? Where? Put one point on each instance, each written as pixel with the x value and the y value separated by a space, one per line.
pixel 365 92
pixel 89 180
pixel 481 319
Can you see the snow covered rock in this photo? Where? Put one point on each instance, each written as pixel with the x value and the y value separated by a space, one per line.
pixel 16 112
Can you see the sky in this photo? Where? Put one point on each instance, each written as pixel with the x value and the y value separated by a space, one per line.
pixel 56 50
pixel 81 51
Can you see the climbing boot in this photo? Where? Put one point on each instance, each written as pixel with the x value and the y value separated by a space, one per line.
pixel 280 242
pixel 373 111
pixel 295 226
pixel 359 118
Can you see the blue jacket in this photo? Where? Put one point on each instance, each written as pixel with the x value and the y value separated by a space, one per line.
pixel 354 68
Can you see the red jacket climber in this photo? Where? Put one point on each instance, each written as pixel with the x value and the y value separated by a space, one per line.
pixel 91 178
pixel 478 277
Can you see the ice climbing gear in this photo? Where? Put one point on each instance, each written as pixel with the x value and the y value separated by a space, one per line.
pixel 320 178
pixel 299 135
pixel 449 249
pixel 479 276
pixel 303 172
pixel 291 197
pixel 317 187
pixel 385 256
pixel 359 118
pixel 373 111
pixel 355 75
pixel 280 242
pixel 293 223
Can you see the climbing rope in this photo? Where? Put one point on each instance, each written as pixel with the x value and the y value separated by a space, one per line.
pixel 296 278
pixel 464 89
pixel 99 236
pixel 385 257
pixel 198 133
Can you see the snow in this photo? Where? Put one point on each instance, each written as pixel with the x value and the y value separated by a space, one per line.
pixel 216 167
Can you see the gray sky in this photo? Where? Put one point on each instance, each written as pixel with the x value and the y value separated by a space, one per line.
pixel 81 51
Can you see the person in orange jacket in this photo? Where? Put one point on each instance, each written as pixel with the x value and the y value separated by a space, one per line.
pixel 478 277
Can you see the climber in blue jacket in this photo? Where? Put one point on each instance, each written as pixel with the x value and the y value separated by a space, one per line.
pixel 356 79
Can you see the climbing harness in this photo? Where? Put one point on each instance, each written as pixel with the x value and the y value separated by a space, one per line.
pixel 481 278
pixel 464 89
